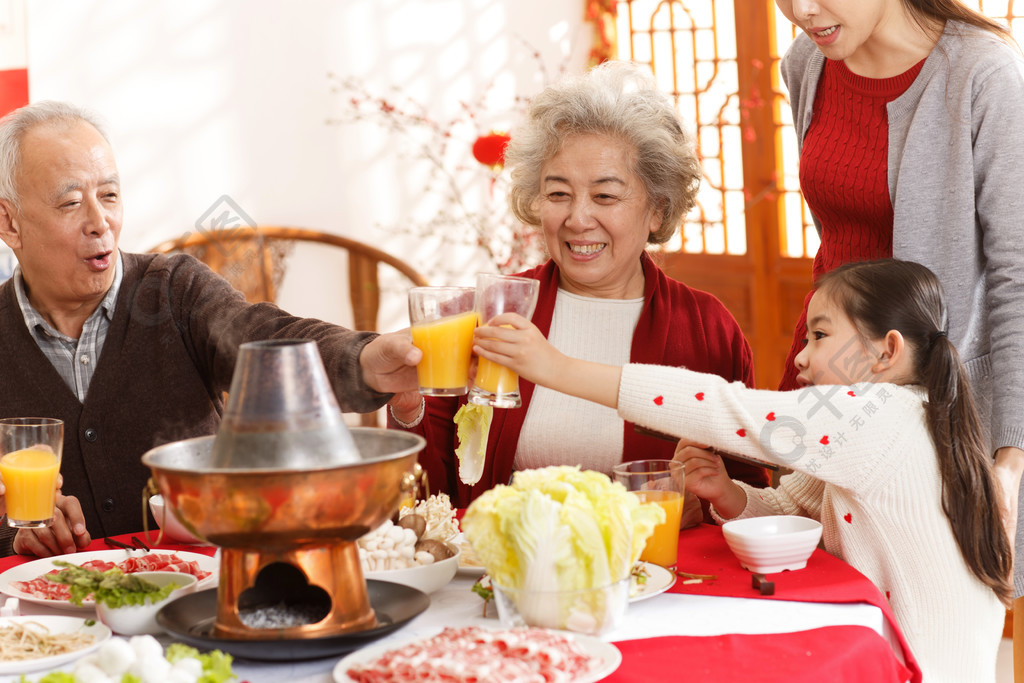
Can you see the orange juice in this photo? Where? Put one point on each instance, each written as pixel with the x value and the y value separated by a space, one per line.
pixel 447 346
pixel 30 476
pixel 494 378
pixel 663 546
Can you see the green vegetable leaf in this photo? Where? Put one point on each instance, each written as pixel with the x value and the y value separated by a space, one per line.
pixel 113 587
pixel 474 423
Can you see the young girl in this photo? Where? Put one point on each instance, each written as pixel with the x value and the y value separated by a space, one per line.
pixel 884 439
pixel 902 111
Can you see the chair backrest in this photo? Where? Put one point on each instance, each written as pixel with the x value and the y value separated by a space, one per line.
pixel 254 261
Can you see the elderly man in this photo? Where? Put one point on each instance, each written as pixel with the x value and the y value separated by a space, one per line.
pixel 130 350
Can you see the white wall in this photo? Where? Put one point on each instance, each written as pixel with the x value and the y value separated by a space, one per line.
pixel 229 97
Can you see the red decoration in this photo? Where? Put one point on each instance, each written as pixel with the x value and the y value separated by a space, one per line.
pixel 489 149
pixel 658 400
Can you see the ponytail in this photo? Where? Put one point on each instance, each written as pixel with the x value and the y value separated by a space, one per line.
pixel 865 291
pixel 968 484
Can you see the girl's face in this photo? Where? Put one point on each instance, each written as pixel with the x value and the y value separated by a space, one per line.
pixel 596 217
pixel 841 28
pixel 835 352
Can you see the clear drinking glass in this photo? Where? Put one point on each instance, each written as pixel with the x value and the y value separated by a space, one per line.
pixel 495 385
pixel 30 452
pixel 442 323
pixel 662 482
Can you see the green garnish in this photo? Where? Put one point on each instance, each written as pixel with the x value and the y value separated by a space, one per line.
pixel 216 664
pixel 113 587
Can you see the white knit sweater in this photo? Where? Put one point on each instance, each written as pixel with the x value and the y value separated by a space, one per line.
pixel 865 466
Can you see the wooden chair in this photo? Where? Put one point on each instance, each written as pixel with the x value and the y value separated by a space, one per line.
pixel 254 261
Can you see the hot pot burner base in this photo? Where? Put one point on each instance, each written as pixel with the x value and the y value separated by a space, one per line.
pixel 190 619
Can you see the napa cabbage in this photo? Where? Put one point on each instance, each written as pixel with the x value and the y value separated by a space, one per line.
pixel 474 423
pixel 559 529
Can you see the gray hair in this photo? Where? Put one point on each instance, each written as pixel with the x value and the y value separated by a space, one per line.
pixel 16 124
pixel 620 100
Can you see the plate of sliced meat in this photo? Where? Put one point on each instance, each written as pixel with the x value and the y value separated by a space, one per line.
pixel 28 581
pixel 472 653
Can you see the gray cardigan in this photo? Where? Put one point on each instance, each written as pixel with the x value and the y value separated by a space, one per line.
pixel 956 173
pixel 956 180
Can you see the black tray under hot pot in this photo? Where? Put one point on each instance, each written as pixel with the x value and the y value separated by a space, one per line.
pixel 190 619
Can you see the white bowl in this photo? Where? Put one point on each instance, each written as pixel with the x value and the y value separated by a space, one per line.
pixel 172 526
pixel 767 545
pixel 426 577
pixel 136 620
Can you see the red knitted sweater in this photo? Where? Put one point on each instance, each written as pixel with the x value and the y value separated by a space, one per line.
pixel 844 174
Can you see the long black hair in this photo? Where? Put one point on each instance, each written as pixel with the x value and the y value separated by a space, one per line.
pixel 888 294
pixel 927 12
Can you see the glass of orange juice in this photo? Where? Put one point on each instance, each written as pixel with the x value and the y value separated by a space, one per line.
pixel 662 482
pixel 442 323
pixel 495 385
pixel 30 450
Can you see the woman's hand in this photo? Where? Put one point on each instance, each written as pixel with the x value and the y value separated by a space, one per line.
pixel 707 478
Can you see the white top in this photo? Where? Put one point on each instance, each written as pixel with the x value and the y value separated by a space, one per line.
pixel 586 434
pixel 875 488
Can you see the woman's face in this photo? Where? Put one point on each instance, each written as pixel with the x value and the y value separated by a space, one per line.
pixel 844 29
pixel 596 217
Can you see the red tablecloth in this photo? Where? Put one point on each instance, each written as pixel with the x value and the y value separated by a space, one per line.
pixel 703 550
pixel 835 654
pixel 98 544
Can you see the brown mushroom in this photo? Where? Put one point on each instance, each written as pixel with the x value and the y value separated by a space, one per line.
pixel 439 549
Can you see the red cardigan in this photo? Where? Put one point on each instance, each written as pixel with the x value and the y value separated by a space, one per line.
pixel 678 326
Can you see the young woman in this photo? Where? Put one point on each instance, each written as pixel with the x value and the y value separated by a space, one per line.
pixel 905 111
pixel 884 440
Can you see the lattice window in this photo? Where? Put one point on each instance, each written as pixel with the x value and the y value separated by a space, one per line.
pixel 690 46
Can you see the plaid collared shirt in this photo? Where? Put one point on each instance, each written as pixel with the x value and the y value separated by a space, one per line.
pixel 74 359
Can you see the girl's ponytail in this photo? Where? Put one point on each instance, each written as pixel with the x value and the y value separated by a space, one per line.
pixel 968 485
pixel 888 294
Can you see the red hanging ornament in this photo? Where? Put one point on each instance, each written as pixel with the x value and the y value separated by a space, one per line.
pixel 489 149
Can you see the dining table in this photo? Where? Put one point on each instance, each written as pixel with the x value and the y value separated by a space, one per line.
pixel 826 621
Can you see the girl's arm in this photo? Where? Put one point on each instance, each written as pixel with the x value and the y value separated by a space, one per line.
pixel 843 435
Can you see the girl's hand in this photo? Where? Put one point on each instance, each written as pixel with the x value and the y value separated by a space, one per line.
pixel 513 341
pixel 707 478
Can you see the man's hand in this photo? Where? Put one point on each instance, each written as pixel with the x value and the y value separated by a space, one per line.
pixel 1008 468
pixel 389 363
pixel 67 534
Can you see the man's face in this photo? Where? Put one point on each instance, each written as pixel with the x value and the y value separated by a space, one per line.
pixel 65 232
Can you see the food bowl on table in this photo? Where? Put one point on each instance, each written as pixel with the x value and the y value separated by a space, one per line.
pixel 135 620
pixel 767 545
pixel 591 611
pixel 424 577
pixel 171 525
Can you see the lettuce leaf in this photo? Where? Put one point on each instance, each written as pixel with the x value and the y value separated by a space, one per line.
pixel 474 423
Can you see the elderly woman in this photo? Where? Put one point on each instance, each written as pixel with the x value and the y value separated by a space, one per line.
pixel 603 167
